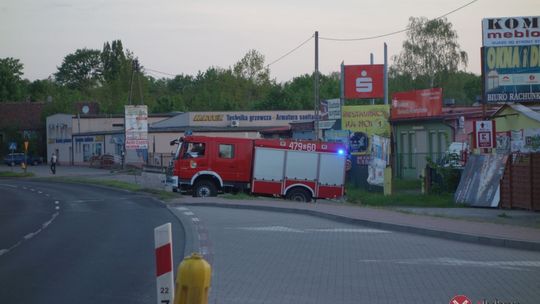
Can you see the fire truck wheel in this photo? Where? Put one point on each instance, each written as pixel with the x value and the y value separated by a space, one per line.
pixel 204 188
pixel 298 195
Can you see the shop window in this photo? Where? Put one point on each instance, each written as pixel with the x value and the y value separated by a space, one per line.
pixel 86 152
pixel 226 151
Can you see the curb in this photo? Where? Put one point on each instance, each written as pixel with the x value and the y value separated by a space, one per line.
pixel 468 238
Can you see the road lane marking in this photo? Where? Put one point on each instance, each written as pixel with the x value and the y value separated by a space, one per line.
pixel 57 208
pixel 310 230
pixel 56 202
pixel 39 192
pixel 30 235
pixel 181 208
pixel 8 185
pixel 453 262
pixel 90 200
pixel 188 213
pixel 195 219
pixel 350 230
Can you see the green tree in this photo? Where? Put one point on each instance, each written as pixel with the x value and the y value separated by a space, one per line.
pixel 431 50
pixel 81 70
pixel 11 85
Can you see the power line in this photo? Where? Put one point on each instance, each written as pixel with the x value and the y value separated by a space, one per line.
pixel 290 52
pixel 395 32
pixel 160 72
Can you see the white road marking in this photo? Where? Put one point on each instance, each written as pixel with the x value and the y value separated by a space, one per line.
pixel 57 208
pixel 351 230
pixel 56 202
pixel 195 219
pixel 188 213
pixel 181 208
pixel 445 261
pixel 271 229
pixel 32 189
pixel 30 235
pixel 8 185
pixel 86 201
pixel 39 192
pixel 310 230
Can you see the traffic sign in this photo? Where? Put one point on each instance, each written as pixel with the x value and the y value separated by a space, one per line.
pixel 13 146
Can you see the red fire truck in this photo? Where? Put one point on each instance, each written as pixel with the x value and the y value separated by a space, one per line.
pixel 296 170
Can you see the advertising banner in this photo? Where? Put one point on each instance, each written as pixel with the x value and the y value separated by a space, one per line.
pixel 525 140
pixel 364 81
pixel 417 103
pixel 380 156
pixel 363 122
pixel 136 127
pixel 511 31
pixel 484 134
pixel 511 73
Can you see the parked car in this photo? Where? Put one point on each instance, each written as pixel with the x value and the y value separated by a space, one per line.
pixel 13 159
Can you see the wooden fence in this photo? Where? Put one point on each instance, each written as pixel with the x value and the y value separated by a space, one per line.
pixel 520 185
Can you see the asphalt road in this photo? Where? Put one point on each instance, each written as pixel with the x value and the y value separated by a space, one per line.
pixel 68 243
pixel 271 257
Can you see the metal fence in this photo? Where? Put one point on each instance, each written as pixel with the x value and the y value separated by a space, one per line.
pixel 159 160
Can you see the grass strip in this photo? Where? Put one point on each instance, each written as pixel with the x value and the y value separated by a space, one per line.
pixel 161 194
pixel 363 197
pixel 15 174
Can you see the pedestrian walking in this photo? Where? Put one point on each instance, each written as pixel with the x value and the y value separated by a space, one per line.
pixel 53 163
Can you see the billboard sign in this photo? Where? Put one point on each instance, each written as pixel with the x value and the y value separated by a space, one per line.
pixel 417 103
pixel 511 73
pixel 364 81
pixel 511 31
pixel 136 127
pixel 363 122
pixel 484 134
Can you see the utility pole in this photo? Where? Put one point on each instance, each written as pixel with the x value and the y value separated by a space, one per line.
pixel 316 87
pixel 385 74
pixel 372 61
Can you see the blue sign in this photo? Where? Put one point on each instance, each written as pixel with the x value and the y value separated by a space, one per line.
pixel 13 146
pixel 512 73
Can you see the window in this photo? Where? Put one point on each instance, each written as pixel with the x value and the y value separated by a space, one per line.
pixel 194 150
pixel 226 151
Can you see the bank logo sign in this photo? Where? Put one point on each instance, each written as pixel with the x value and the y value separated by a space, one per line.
pixel 511 59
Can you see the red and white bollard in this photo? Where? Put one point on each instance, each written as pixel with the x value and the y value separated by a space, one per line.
pixel 164 264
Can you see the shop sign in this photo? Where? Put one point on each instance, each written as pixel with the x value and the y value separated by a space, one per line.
pixel 136 127
pixel 417 103
pixel 511 31
pixel 484 134
pixel 330 109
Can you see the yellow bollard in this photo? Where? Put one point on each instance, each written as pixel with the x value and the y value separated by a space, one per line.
pixel 192 281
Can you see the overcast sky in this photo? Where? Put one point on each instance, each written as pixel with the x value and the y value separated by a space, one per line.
pixel 187 36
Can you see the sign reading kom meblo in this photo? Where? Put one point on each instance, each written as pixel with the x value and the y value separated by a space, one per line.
pixel 511 59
